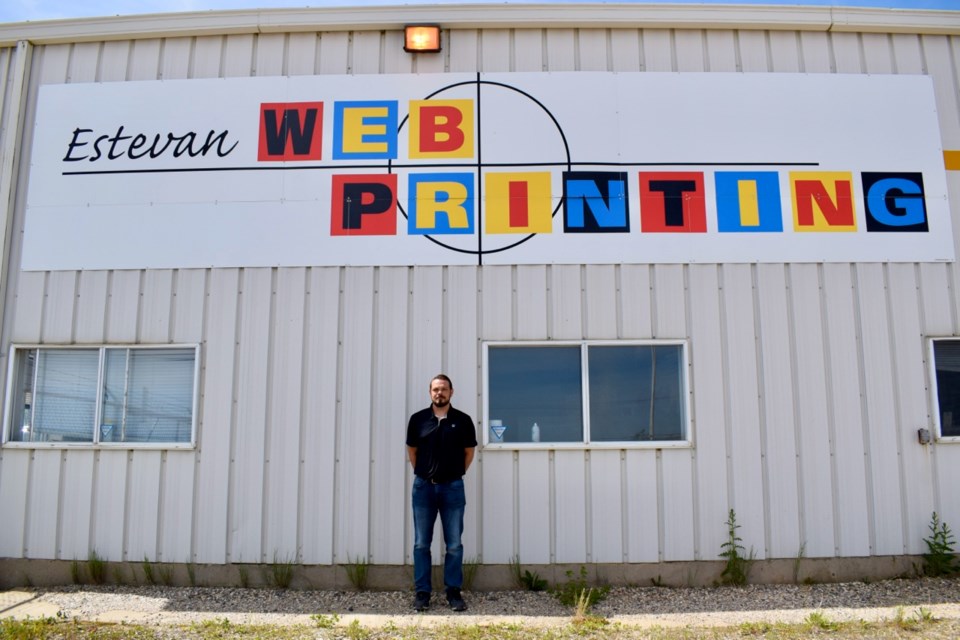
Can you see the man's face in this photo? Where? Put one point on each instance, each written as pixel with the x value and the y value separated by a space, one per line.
pixel 440 393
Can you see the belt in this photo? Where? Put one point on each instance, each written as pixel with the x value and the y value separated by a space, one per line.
pixel 435 481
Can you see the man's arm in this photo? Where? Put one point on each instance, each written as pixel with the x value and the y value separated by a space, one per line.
pixel 412 455
pixel 467 457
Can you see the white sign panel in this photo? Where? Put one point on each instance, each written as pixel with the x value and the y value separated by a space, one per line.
pixel 499 168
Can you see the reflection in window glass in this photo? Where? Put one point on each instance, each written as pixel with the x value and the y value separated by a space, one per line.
pixel 586 393
pixel 159 396
pixel 635 393
pixel 60 397
pixel 539 385
pixel 111 420
pixel 946 355
pixel 146 396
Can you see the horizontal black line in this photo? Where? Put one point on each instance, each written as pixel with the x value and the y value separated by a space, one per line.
pixel 446 165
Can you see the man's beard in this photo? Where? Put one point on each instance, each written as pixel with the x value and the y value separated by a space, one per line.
pixel 441 403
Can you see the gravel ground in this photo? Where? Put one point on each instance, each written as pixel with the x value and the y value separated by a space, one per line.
pixel 644 606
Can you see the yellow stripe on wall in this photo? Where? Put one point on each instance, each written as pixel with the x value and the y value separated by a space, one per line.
pixel 951 160
pixel 749 203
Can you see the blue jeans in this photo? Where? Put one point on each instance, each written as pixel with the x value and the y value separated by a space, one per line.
pixel 448 500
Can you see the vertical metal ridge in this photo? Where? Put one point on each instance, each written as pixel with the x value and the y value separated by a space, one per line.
pixel 691 418
pixel 161 498
pixel 762 410
pixel 302 425
pixel 661 534
pixel 125 515
pixel 831 410
pixel 338 419
pixel 58 551
pixel 374 391
pixel 408 410
pixel 795 392
pixel 232 424
pixel 864 411
pixel 588 506
pixel 268 424
pixel 897 408
pixel 727 390
pixel 931 404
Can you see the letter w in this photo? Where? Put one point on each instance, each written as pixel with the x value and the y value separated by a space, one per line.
pixel 291 131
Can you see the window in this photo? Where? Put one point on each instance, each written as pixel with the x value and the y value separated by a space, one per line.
pixel 946 363
pixel 103 395
pixel 589 393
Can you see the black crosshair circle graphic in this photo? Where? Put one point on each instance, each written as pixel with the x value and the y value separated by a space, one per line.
pixel 478 166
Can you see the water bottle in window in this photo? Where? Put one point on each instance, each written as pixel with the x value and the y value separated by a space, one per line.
pixel 535 433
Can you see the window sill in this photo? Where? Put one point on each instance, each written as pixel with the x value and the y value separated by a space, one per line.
pixel 586 446
pixel 102 446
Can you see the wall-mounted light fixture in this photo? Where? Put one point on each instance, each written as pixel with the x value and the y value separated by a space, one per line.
pixel 421 38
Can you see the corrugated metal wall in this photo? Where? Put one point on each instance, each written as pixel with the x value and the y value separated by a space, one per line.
pixel 808 381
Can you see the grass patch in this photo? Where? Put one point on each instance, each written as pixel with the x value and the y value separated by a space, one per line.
pixel 328 627
pixel 75 572
pixel 96 568
pixel 533 581
pixel 516 572
pixel 280 572
pixel 324 621
pixel 166 574
pixel 357 572
pixel 817 620
pixel 920 619
pixel 577 594
pixel 470 572
pixel 147 567
pixel 244 577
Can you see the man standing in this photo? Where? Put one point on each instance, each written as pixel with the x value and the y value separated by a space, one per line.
pixel 440 444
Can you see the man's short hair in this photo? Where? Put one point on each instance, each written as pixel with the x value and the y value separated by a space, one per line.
pixel 442 376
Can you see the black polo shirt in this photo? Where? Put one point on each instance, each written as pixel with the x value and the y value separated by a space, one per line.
pixel 440 444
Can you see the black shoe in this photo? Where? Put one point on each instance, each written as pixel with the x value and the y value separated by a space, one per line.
pixel 455 600
pixel 422 601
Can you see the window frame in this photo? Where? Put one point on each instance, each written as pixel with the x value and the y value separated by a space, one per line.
pixel 95 443
pixel 586 443
pixel 935 391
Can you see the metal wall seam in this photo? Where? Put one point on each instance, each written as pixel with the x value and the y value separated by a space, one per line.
pixel 15 92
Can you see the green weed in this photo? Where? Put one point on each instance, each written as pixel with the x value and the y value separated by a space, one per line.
pixel 920 618
pixel 75 572
pixel 356 632
pixel 738 565
pixel 166 574
pixel 940 559
pixel 280 573
pixel 818 620
pixel 357 572
pixel 755 628
pixel 244 577
pixel 797 561
pixel 533 581
pixel 148 571
pixel 575 591
pixel 516 572
pixel 470 572
pixel 96 568
pixel 323 621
